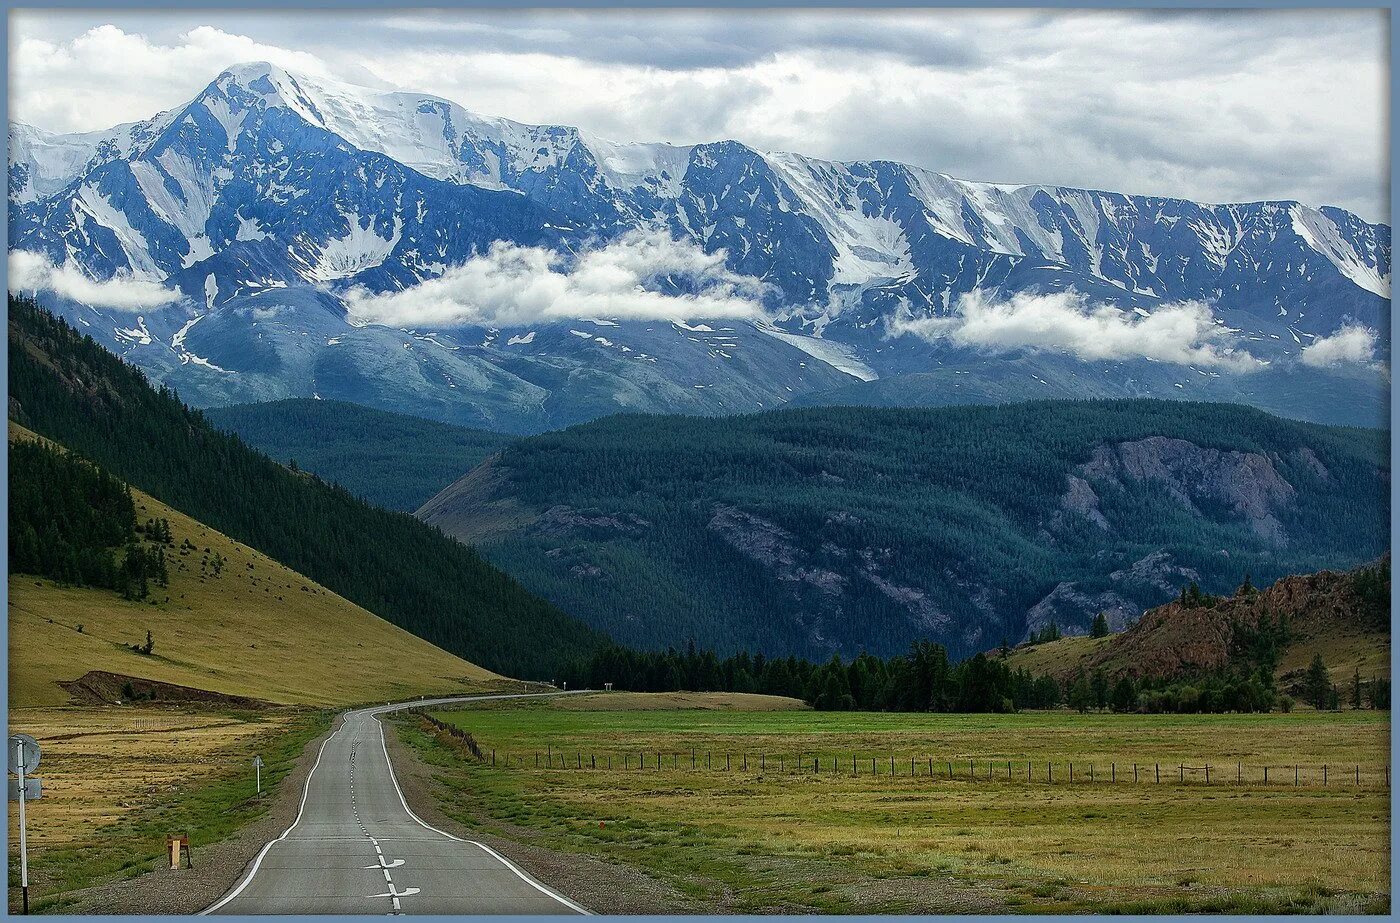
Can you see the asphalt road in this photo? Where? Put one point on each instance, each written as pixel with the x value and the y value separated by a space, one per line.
pixel 355 847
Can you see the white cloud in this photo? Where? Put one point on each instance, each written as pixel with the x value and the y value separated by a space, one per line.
pixel 106 76
pixel 1353 344
pixel 35 272
pixel 1066 322
pixel 511 286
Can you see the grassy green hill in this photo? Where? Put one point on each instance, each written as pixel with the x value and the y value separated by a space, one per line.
pixel 840 529
pixel 390 459
pixel 67 388
pixel 249 627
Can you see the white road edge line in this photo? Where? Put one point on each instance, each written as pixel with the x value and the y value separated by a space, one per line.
pixel 306 790
pixel 543 889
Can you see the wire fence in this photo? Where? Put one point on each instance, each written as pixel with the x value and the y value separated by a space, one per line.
pixel 912 766
pixel 893 766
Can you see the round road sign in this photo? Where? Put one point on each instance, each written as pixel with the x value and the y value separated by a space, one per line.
pixel 24 750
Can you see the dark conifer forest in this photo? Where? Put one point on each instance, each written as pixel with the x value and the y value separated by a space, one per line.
pixel 64 386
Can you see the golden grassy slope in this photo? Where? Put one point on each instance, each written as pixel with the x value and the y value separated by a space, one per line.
pixel 256 629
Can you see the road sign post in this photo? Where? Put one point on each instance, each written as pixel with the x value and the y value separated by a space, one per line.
pixel 24 758
pixel 257 771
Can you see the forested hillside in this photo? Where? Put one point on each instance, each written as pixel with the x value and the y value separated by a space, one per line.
pixel 816 531
pixel 66 387
pixel 392 460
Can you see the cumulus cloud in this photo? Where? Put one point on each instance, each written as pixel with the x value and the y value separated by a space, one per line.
pixel 35 272
pixel 1066 322
pixel 1352 344
pixel 643 275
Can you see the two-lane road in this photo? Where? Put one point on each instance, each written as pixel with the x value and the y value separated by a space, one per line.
pixel 355 846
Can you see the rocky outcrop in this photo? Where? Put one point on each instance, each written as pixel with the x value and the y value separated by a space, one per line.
pixel 774 547
pixel 1245 485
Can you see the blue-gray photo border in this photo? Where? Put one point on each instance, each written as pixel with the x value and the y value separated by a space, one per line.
pixel 370 5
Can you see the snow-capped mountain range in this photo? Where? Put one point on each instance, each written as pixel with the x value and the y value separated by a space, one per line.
pixel 270 196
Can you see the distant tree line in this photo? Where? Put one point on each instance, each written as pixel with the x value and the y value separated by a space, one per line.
pixel 923 680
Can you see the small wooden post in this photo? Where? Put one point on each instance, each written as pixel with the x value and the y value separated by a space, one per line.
pixel 537 759
pixel 726 762
pixel 1324 774
pixel 971 770
pixel 950 770
pixel 1159 772
pixel 1295 774
pixel 1049 772
pixel 1358 773
pixel 692 759
pixel 1181 772
pixel 493 757
pixel 1113 772
pixel 1239 772
pixel 1207 773
pixel 854 771
pixel 1071 773
pixel 1135 775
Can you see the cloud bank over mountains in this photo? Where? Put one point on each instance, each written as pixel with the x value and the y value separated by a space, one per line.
pixel 34 272
pixel 642 275
pixel 1067 322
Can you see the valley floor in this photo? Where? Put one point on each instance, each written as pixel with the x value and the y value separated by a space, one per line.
pixel 760 837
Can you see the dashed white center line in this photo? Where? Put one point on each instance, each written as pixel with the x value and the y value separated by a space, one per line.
pixel 384 864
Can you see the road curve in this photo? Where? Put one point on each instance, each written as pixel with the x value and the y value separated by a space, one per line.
pixel 356 847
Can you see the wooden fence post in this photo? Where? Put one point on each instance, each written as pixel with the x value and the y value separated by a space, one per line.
pixel 1207 773
pixel 1159 772
pixel 1071 773
pixel 950 770
pixel 971 770
pixel 1358 773
pixel 1113 772
pixel 1135 776
pixel 1181 772
pixel 726 762
pixel 1324 775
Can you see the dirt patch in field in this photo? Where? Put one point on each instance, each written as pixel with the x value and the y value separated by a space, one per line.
pixel 98 687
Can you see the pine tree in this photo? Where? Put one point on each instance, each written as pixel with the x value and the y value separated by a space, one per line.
pixel 1317 683
pixel 1100 628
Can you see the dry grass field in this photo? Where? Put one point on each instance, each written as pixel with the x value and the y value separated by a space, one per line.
pixel 784 840
pixel 117 781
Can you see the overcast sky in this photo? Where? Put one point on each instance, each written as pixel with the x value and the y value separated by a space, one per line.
pixel 1218 107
